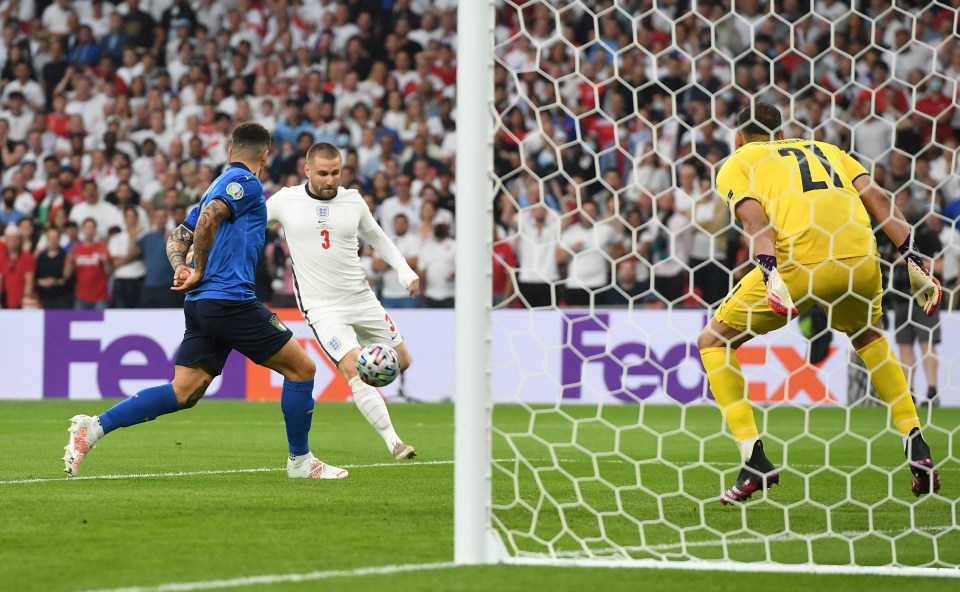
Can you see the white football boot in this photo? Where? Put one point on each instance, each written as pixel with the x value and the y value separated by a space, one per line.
pixel 403 451
pixel 314 468
pixel 84 433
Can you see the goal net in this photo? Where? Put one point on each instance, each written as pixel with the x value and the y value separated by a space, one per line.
pixel 611 249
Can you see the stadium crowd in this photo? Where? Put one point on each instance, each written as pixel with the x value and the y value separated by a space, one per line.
pixel 115 118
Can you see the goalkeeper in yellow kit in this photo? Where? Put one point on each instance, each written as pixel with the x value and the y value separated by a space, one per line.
pixel 804 205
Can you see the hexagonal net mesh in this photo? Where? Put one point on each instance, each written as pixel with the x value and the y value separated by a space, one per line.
pixel 615 246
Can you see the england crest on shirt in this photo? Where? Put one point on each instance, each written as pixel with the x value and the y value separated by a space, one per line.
pixel 323 212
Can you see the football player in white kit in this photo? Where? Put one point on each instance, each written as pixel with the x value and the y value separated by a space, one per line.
pixel 321 222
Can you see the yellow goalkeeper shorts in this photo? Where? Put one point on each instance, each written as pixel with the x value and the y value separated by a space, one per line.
pixel 848 289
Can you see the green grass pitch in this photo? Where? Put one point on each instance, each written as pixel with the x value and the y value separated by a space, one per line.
pixel 249 520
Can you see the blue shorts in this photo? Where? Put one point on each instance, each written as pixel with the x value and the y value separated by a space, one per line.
pixel 214 327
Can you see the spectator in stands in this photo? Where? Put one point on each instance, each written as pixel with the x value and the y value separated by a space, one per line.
pixel 627 290
pixel 292 125
pixel 85 51
pixel 276 257
pixel 152 247
pixel 587 248
pixel 708 248
pixel 437 266
pixel 139 26
pixel 504 265
pixel 104 213
pixel 538 229
pixel 89 263
pixel 53 285
pixel 392 293
pixel 9 214
pixel 18 115
pixel 17 270
pixel 128 268
pixel 649 178
pixel 29 89
pixel 71 232
pixel 912 325
pixel 402 202
pixel 71 186
pixel 28 234
pixel 667 244
pixel 950 257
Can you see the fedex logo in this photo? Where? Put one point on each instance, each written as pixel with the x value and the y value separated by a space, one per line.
pixel 84 357
pixel 633 371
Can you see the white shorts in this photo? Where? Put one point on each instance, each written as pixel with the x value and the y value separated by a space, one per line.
pixel 343 327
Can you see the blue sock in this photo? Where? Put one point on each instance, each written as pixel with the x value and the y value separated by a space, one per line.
pixel 148 404
pixel 296 402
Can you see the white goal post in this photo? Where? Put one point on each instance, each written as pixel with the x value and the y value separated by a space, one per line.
pixel 472 528
pixel 585 431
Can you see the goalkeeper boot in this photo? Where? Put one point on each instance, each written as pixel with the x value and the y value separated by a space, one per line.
pixel 758 473
pixel 84 433
pixel 926 477
pixel 403 451
pixel 312 467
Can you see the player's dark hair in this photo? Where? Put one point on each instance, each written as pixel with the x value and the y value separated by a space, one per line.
pixel 323 150
pixel 762 119
pixel 249 140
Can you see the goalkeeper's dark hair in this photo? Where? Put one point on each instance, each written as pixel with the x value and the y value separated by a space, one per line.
pixel 323 150
pixel 759 120
pixel 249 140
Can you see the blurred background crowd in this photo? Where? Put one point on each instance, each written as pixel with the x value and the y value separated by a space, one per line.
pixel 612 120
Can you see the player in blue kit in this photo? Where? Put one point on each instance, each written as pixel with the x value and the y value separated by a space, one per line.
pixel 222 313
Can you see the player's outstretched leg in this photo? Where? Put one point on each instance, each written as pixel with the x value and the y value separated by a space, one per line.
pixel 371 404
pixel 888 379
pixel 717 343
pixel 374 409
pixel 144 406
pixel 296 402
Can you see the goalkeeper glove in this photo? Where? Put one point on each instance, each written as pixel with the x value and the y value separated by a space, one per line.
pixel 926 288
pixel 778 297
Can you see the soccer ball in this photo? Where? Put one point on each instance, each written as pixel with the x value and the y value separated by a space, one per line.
pixel 378 364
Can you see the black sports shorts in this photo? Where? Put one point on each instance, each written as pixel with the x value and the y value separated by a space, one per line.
pixel 214 327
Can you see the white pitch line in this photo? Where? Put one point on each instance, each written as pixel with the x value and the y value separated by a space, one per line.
pixel 374 466
pixel 743 567
pixel 283 578
pixel 774 538
pixel 213 472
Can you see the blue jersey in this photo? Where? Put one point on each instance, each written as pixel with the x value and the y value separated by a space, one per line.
pixel 232 263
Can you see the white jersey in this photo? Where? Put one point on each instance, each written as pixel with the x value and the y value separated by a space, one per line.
pixel 324 248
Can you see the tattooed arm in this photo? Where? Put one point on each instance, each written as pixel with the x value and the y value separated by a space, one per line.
pixel 178 244
pixel 207 224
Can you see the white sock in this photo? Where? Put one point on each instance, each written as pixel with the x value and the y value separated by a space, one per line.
pixel 373 407
pixel 97 428
pixel 746 448
pixel 300 458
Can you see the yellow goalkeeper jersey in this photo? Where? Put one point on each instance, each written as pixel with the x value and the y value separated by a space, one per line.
pixel 806 189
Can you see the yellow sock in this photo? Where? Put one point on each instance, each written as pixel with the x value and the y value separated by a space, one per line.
pixel 727 385
pixel 887 377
